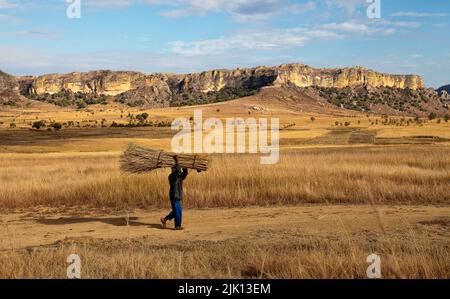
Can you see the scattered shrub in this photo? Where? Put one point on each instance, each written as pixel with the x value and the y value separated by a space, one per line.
pixel 56 126
pixel 38 124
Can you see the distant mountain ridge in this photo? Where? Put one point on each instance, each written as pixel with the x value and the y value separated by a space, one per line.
pixel 445 88
pixel 112 83
pixel 138 89
pixel 355 88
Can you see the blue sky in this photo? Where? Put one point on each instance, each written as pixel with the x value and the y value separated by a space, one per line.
pixel 181 36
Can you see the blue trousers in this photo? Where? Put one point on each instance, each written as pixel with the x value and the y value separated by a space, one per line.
pixel 176 213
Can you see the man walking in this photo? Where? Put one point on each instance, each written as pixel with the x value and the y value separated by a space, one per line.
pixel 176 179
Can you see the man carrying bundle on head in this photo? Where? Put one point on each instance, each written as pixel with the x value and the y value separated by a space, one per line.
pixel 176 179
pixel 137 160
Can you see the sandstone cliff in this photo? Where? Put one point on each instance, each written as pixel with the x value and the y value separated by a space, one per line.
pixel 9 89
pixel 355 88
pixel 305 76
pixel 96 82
pixel 110 83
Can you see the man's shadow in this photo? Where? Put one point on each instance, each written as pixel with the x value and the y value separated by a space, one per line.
pixel 116 221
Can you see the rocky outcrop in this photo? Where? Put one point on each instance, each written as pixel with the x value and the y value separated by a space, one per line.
pixel 444 91
pixel 305 76
pixel 107 83
pixel 154 93
pixel 110 83
pixel 355 88
pixel 216 80
pixel 297 74
pixel 9 89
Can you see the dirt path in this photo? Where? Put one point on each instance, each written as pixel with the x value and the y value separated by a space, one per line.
pixel 44 227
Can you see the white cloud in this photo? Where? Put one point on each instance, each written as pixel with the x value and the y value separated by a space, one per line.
pixel 397 64
pixel 253 41
pixel 10 20
pixel 35 33
pixel 110 3
pixel 32 61
pixel 383 27
pixel 349 5
pixel 418 14
pixel 348 27
pixel 440 25
pixel 392 26
pixel 406 24
pixel 240 10
pixel 275 39
pixel 5 4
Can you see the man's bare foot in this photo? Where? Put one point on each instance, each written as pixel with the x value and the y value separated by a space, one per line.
pixel 163 222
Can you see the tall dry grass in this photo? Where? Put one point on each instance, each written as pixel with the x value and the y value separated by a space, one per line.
pixel 295 257
pixel 400 174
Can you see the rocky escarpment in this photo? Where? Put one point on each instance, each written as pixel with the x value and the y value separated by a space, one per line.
pixel 355 88
pixel 161 90
pixel 9 90
pixel 305 76
pixel 97 82
pixel 155 92
pixel 165 86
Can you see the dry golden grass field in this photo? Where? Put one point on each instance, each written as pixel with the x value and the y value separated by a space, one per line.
pixel 339 193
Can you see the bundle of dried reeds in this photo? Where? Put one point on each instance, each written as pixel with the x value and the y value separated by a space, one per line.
pixel 138 159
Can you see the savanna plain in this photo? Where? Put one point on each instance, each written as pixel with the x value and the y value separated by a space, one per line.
pixel 345 187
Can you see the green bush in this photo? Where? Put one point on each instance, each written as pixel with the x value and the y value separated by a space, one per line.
pixel 142 117
pixel 57 126
pixel 38 124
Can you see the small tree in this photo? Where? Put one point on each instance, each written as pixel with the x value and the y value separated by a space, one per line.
pixel 313 118
pixel 38 124
pixel 57 126
pixel 81 104
pixel 432 116
pixel 12 125
pixel 142 117
pixel 446 118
